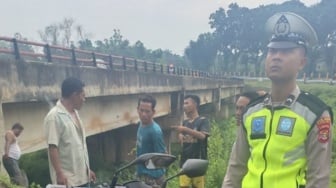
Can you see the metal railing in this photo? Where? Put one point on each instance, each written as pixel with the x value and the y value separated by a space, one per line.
pixel 78 57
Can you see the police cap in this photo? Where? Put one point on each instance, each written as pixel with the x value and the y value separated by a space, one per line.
pixel 289 30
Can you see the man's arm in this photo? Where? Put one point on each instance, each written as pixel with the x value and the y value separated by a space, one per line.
pixel 200 134
pixel 237 167
pixel 55 161
pixel 159 145
pixel 318 151
pixel 9 139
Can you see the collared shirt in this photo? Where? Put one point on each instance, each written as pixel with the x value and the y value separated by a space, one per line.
pixel 317 149
pixel 63 132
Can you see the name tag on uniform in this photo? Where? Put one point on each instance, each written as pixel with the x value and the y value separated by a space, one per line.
pixel 258 128
pixel 286 126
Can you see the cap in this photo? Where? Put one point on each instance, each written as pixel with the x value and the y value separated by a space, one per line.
pixel 289 30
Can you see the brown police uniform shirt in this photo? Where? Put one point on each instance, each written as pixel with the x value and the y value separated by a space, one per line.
pixel 318 148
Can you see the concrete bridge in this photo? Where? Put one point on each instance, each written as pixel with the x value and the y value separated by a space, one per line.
pixel 29 88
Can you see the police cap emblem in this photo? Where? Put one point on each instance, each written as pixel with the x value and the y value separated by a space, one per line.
pixel 289 30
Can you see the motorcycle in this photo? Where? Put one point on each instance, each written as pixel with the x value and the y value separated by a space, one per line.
pixel 191 168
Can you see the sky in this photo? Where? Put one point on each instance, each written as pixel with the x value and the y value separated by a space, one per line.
pixel 165 24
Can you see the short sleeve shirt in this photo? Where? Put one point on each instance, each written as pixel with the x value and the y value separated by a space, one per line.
pixel 194 148
pixel 150 140
pixel 62 131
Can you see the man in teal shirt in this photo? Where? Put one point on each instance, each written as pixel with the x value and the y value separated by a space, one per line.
pixel 149 140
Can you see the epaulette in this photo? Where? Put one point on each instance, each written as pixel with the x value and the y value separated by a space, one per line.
pixel 315 104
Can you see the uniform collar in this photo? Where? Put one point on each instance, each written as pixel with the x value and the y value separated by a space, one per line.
pixel 61 108
pixel 291 98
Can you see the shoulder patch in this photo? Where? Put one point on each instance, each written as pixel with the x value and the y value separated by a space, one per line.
pixel 323 125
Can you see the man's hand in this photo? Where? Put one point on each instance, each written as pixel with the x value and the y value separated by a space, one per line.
pixel 181 138
pixel 5 156
pixel 92 176
pixel 179 128
pixel 61 179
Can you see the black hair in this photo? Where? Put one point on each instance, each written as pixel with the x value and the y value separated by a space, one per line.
pixel 70 86
pixel 195 98
pixel 147 99
pixel 17 126
pixel 252 95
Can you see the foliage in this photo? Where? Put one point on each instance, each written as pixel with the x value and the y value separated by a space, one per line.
pixel 5 183
pixel 202 51
pixel 36 167
pixel 220 143
pixel 238 36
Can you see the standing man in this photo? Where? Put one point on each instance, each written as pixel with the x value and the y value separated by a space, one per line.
pixel 149 140
pixel 12 154
pixel 65 135
pixel 285 139
pixel 243 100
pixel 193 135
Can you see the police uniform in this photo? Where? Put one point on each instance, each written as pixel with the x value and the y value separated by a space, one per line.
pixel 285 144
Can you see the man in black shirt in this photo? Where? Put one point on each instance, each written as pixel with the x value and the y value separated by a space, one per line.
pixel 193 135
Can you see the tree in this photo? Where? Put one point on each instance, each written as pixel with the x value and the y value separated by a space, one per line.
pixel 50 34
pixel 202 52
pixel 66 26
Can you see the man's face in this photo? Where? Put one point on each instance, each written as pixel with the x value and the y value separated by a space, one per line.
pixel 282 65
pixel 78 98
pixel 17 132
pixel 241 104
pixel 146 112
pixel 189 105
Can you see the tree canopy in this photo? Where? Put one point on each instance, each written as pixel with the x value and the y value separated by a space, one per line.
pixel 238 40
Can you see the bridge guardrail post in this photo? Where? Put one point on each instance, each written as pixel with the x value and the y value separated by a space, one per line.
pixel 94 59
pixel 47 52
pixel 124 63
pixel 145 65
pixel 161 69
pixel 135 65
pixel 16 49
pixel 111 62
pixel 73 53
pixel 154 67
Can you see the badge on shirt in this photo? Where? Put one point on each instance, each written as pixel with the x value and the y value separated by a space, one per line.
pixel 286 126
pixel 323 126
pixel 258 128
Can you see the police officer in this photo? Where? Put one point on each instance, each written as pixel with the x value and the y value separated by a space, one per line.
pixel 285 139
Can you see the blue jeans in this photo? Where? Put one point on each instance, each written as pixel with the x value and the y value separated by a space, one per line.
pixel 13 170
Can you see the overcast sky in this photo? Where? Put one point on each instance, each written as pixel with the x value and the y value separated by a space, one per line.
pixel 166 24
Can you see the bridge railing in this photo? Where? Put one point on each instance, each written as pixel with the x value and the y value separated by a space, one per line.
pixel 26 50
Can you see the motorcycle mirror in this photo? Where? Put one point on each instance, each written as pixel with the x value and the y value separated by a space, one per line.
pixel 194 167
pixel 159 161
pixel 152 161
pixel 191 168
